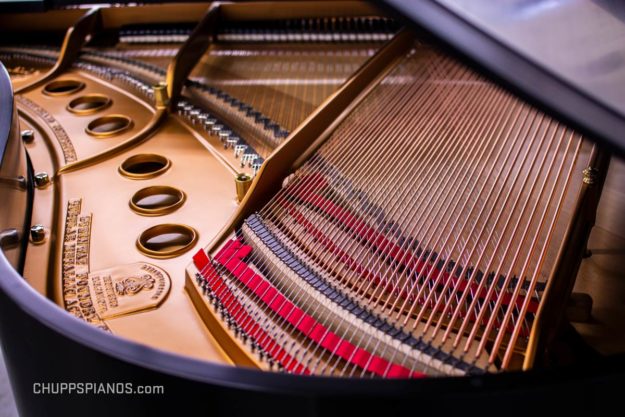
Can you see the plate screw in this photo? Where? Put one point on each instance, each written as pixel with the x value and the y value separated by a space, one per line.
pixel 28 135
pixel 42 179
pixel 37 233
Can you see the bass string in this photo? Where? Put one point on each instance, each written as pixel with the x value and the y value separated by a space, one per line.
pixel 535 242
pixel 276 80
pixel 501 239
pixel 459 304
pixel 500 149
pixel 475 299
pixel 517 247
pixel 499 186
pixel 382 174
pixel 476 153
pixel 347 363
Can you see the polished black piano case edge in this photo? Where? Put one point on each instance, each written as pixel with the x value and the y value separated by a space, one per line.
pixel 44 344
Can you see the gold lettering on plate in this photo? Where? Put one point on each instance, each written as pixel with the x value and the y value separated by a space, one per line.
pixel 128 289
pixel 77 294
pixel 69 153
pixel 113 292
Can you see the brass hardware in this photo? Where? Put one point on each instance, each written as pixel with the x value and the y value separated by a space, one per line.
pixel 157 200
pixel 28 136
pixel 144 166
pixel 63 87
pixel 243 182
pixel 9 238
pixel 89 104
pixel 590 175
pixel 37 234
pixel 165 241
pixel 161 97
pixel 42 179
pixel 107 126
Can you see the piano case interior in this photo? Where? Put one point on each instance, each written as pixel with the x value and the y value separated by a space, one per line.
pixel 307 189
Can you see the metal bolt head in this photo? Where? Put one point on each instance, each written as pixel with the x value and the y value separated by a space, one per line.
pixel 591 175
pixel 28 135
pixel 42 179
pixel 37 233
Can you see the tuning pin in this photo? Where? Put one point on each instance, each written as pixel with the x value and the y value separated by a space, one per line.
pixel 201 119
pixel 216 128
pixel 194 115
pixel 224 134
pixel 239 148
pixel 256 166
pixel 187 109
pixel 232 141
pixel 248 158
pixel 282 133
pixel 209 123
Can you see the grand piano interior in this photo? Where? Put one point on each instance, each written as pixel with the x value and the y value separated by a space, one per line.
pixel 311 189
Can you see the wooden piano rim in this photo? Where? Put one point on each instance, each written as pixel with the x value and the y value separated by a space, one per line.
pixel 57 320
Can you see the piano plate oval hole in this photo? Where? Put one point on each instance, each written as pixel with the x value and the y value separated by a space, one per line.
pixel 144 166
pixel 107 126
pixel 63 87
pixel 166 240
pixel 88 104
pixel 157 200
